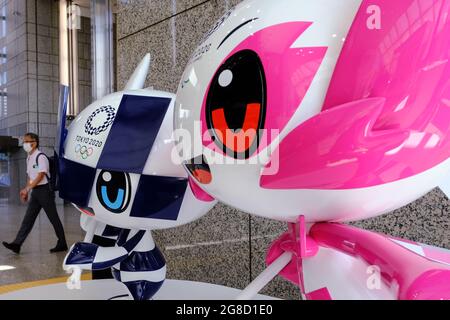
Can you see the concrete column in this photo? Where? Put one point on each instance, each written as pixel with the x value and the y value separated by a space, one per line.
pixel 102 48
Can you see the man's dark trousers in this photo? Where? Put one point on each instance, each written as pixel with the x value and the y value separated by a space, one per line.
pixel 41 197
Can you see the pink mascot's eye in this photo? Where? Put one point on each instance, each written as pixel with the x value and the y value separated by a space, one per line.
pixel 236 104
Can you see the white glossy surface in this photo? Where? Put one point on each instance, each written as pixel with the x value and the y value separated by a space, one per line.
pixel 159 162
pixel 106 289
pixel 238 184
pixel 344 276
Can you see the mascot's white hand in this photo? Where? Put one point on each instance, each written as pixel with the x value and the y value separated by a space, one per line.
pixel 74 281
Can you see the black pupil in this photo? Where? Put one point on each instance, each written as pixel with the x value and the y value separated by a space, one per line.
pixel 247 86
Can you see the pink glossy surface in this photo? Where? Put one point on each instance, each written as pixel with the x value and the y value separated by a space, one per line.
pixel 337 149
pixel 285 244
pixel 300 244
pixel 288 71
pixel 198 192
pixel 320 294
pixel 406 63
pixel 430 252
pixel 409 270
pixel 431 285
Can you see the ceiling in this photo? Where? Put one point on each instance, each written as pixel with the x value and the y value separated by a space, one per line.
pixel 86 5
pixel 83 3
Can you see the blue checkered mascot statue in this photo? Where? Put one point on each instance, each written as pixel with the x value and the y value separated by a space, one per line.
pixel 118 166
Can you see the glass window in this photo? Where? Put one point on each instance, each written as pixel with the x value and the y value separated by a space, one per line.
pixel 3 22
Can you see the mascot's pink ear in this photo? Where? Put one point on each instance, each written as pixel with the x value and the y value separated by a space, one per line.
pixel 337 149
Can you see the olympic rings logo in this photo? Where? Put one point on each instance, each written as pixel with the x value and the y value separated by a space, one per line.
pixel 83 151
pixel 108 112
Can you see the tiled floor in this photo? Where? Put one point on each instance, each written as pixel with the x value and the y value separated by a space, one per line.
pixel 35 262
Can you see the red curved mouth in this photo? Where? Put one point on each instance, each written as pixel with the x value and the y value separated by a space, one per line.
pixel 202 176
pixel 199 169
pixel 238 141
pixel 87 211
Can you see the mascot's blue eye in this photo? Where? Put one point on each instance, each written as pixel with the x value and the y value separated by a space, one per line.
pixel 114 190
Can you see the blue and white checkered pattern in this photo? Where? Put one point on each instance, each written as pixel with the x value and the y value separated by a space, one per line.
pixel 143 272
pixel 134 129
pixel 110 113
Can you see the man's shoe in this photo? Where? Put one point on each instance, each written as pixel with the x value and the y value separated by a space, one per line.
pixel 59 248
pixel 12 246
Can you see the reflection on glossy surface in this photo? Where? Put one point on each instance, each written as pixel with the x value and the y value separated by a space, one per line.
pixel 286 75
pixel 409 67
pixel 362 109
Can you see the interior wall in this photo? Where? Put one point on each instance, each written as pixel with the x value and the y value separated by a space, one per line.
pixel 32 65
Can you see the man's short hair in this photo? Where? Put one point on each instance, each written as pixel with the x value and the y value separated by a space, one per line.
pixel 33 136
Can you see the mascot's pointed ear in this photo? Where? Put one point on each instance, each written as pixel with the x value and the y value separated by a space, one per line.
pixel 139 75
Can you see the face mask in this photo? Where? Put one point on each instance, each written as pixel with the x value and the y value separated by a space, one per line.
pixel 27 147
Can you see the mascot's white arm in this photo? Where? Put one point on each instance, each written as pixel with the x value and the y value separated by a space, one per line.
pixel 89 256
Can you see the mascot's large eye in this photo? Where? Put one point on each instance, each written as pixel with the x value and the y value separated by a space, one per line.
pixel 114 190
pixel 236 104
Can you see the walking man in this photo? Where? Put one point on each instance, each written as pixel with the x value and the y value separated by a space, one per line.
pixel 41 196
